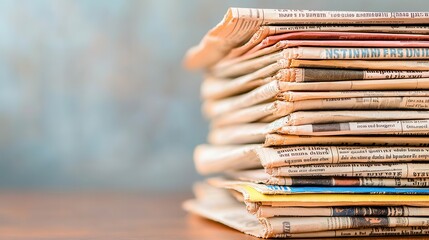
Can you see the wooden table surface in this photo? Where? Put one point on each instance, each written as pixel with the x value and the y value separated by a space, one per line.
pixel 77 215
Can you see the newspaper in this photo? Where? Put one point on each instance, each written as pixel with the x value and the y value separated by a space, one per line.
pixel 321 75
pixel 216 204
pixel 282 108
pixel 389 84
pixel 307 155
pixel 292 96
pixel 332 43
pixel 331 35
pixel 279 225
pixel 370 53
pixel 355 53
pixel 217 158
pixel 287 190
pixel 362 232
pixel 313 117
pixel 247 115
pixel 401 127
pixel 390 40
pixel 239 24
pixel 256 132
pixel 247 67
pixel 277 89
pixel 213 89
pixel 261 78
pixel 235 216
pixel 400 211
pixel 216 88
pixel 211 159
pixel 369 103
pixel 362 64
pixel 258 95
pixel 288 140
pixel 262 37
pixel 260 176
pixel 254 199
pixel 269 112
pixel 239 134
pixel 380 170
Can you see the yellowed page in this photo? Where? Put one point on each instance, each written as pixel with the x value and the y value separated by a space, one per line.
pixel 293 96
pixel 307 155
pixel 287 225
pixel 260 176
pixel 288 140
pixel 400 127
pixel 381 170
pixel 399 211
pixel 362 64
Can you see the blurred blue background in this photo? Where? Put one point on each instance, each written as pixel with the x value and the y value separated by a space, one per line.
pixel 93 94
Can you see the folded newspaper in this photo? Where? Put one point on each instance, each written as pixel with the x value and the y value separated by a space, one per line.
pixel 270 220
pixel 319 123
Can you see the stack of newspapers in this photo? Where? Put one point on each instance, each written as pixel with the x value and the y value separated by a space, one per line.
pixel 319 123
